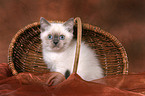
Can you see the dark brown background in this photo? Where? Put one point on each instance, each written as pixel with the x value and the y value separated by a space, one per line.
pixel 123 18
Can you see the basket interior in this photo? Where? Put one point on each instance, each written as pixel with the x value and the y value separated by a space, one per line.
pixel 25 52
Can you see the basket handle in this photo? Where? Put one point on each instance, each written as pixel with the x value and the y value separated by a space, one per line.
pixel 79 36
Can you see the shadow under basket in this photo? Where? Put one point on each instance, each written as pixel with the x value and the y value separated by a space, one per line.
pixel 25 50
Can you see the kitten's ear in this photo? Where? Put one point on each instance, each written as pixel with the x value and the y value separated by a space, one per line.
pixel 69 24
pixel 44 24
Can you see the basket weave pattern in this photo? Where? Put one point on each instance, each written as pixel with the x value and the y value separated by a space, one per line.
pixel 25 51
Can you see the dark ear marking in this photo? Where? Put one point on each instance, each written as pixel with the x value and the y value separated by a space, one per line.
pixel 44 24
pixel 69 24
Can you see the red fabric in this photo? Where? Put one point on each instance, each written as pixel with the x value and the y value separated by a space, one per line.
pixel 48 84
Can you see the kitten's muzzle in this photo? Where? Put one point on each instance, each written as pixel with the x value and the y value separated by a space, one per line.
pixel 55 41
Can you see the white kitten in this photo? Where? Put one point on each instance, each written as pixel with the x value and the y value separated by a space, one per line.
pixel 59 51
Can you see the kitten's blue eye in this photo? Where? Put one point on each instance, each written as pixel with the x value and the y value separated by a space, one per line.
pixel 50 37
pixel 62 37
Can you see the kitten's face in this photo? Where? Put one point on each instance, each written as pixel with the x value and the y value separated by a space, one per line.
pixel 56 36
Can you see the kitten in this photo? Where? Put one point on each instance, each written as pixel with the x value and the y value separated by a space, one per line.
pixel 59 47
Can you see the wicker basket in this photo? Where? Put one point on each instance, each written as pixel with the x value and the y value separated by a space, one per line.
pixel 25 52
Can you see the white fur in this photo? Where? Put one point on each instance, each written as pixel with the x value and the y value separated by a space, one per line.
pixel 62 58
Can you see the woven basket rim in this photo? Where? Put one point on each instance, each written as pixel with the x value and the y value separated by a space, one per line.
pixel 116 42
pixel 85 26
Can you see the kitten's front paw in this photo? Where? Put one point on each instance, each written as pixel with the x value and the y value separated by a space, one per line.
pixel 55 79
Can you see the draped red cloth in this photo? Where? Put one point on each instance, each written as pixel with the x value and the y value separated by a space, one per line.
pixel 51 84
